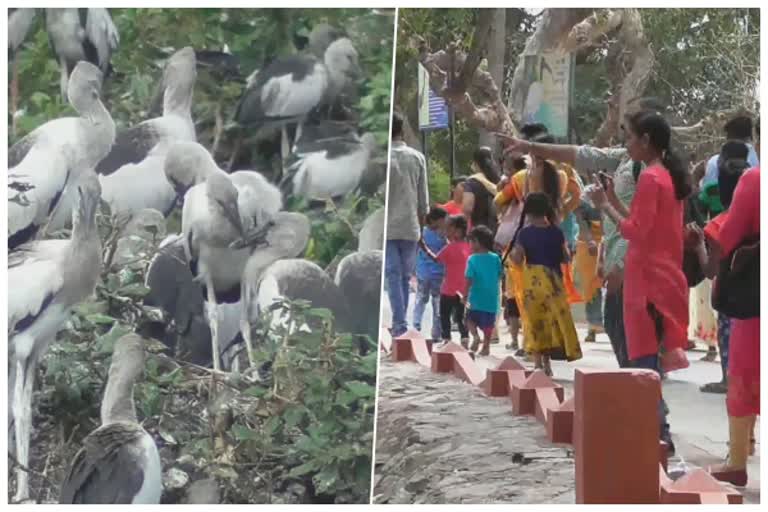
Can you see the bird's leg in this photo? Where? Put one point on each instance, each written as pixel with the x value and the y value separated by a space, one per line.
pixel 213 321
pixel 285 149
pixel 14 96
pixel 297 135
pixel 22 411
pixel 245 330
pixel 64 80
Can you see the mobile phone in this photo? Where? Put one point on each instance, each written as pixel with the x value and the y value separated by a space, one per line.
pixel 603 177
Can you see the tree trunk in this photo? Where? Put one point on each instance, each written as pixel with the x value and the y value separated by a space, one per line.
pixel 496 54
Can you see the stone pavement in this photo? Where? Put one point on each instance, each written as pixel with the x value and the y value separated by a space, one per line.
pixel 439 440
pixel 699 425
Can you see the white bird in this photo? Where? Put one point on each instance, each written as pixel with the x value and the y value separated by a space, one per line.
pixel 289 88
pixel 86 34
pixel 329 170
pixel 189 164
pixel 46 279
pixel 223 217
pixel 119 462
pixel 131 175
pixel 286 238
pixel 56 154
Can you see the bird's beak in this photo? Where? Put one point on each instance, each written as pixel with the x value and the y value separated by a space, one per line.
pixel 355 72
pixel 256 238
pixel 233 215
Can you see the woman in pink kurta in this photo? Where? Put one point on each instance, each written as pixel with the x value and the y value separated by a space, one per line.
pixel 655 288
pixel 654 266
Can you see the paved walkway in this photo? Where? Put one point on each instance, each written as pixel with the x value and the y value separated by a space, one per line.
pixel 699 421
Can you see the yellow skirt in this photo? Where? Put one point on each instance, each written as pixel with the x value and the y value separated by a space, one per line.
pixel 585 265
pixel 547 322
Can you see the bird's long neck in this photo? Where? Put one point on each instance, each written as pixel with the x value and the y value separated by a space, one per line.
pixel 177 100
pixel 118 404
pixel 103 134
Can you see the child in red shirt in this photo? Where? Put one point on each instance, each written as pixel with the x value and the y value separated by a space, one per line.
pixel 454 258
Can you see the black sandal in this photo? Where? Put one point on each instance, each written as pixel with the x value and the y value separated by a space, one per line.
pixel 714 387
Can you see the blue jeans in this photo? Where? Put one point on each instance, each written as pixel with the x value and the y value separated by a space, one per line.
pixel 428 289
pixel 594 309
pixel 723 341
pixel 651 362
pixel 400 263
pixel 613 322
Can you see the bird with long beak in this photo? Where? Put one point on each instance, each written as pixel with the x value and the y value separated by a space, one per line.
pixel 46 279
pixel 119 461
pixel 218 240
pixel 46 162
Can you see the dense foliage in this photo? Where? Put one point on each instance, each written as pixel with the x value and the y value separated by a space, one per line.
pixel 304 434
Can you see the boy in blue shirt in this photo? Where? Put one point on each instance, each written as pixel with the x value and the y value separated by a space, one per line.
pixel 429 273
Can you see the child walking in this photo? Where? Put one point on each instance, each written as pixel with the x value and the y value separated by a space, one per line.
pixel 429 273
pixel 484 273
pixel 540 247
pixel 454 258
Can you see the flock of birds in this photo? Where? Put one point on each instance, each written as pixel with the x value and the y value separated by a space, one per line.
pixel 238 251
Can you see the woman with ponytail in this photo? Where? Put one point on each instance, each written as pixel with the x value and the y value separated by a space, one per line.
pixel 655 287
pixel 539 247
pixel 480 189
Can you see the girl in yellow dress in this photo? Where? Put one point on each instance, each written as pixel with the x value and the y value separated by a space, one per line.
pixel 540 248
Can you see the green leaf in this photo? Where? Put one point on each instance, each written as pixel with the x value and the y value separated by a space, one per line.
pixel 243 433
pixel 303 469
pixel 99 319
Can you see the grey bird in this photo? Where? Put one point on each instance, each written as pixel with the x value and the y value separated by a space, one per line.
pixel 119 462
pixel 45 162
pixel 86 34
pixel 358 277
pixel 46 279
pixel 286 238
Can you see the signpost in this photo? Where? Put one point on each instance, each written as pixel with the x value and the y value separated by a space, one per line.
pixel 433 110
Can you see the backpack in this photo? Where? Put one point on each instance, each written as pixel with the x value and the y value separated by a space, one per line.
pixel 736 290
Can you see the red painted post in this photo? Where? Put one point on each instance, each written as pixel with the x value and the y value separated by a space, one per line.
pixel 466 369
pixel 616 436
pixel 560 423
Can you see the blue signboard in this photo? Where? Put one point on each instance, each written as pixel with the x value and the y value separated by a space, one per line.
pixel 433 110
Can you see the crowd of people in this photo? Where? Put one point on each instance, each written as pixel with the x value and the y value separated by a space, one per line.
pixel 632 232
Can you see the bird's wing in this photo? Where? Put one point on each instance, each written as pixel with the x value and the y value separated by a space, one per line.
pixel 287 88
pixel 102 34
pixel 131 147
pixel 34 278
pixel 18 151
pixel 107 469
